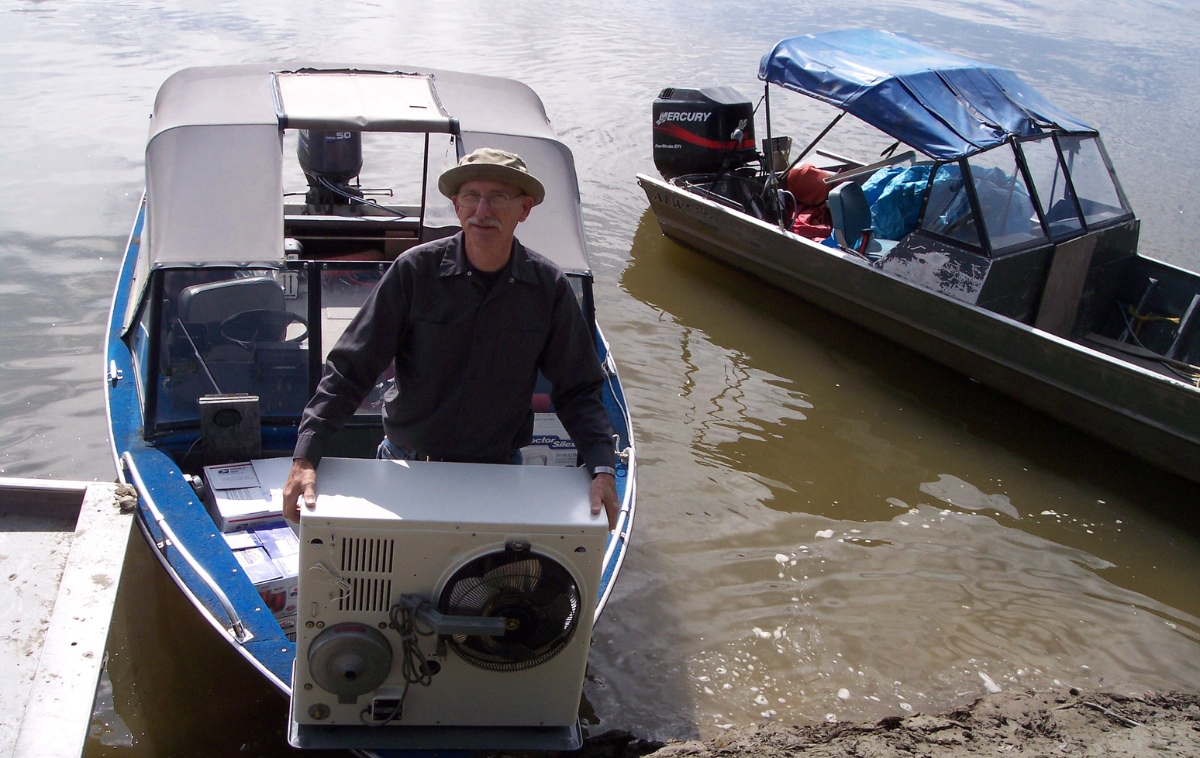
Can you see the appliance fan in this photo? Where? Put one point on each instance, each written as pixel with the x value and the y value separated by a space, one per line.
pixel 447 595
pixel 536 596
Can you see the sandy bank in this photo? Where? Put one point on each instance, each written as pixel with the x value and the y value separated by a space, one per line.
pixel 1003 725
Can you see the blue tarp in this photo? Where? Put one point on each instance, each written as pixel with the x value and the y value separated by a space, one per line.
pixel 894 194
pixel 944 105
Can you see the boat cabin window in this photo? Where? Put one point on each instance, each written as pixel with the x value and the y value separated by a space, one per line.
pixel 948 210
pixel 439 211
pixel 1009 219
pixel 140 347
pixel 364 196
pixel 1094 183
pixel 389 166
pixel 1054 192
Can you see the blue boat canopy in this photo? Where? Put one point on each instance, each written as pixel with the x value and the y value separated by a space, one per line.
pixel 946 106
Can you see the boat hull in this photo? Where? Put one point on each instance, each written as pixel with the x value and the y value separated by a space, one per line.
pixel 1142 412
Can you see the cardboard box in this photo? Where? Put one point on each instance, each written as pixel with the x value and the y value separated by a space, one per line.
pixel 242 495
pixel 551 445
pixel 270 554
pixel 288 625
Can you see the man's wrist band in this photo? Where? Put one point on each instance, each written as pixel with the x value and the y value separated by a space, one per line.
pixel 604 470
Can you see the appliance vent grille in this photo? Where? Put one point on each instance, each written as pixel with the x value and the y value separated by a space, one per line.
pixel 366 594
pixel 367 556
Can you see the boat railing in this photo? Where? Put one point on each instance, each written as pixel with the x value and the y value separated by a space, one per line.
pixel 619 543
pixel 619 539
pixel 237 629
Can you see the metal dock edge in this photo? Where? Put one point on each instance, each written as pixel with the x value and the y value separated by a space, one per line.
pixel 62 548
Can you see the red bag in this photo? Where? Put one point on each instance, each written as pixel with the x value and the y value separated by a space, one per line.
pixel 807 184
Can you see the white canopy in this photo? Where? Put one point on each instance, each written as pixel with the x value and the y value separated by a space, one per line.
pixel 214 193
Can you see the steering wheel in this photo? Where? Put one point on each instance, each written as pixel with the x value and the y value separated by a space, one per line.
pixel 262 325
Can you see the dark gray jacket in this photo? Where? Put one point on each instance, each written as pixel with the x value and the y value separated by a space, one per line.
pixel 466 360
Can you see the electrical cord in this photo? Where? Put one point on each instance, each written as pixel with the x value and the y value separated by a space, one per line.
pixel 413 666
pixel 355 198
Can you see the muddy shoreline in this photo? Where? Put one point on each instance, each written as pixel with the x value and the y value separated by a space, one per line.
pixel 1007 724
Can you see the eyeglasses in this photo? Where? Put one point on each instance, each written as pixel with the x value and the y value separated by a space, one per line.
pixel 497 201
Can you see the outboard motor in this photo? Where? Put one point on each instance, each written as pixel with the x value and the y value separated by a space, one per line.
pixel 702 131
pixel 329 161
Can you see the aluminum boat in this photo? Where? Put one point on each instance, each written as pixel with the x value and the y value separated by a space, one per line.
pixel 992 234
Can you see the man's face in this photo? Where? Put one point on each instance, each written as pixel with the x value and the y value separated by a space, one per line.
pixel 485 223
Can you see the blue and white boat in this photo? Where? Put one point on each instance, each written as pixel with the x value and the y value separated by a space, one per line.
pixel 233 289
pixel 1001 244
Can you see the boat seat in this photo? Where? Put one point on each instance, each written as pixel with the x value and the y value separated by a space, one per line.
pixel 851 216
pixel 211 304
pixel 217 301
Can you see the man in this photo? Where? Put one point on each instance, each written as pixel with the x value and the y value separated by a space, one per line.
pixel 467 321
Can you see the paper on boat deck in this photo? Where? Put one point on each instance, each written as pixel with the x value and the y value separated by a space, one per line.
pixel 246 494
pixel 232 477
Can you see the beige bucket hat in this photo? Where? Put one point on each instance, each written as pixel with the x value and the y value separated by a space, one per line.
pixel 497 165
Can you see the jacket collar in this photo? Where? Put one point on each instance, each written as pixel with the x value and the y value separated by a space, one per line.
pixel 455 263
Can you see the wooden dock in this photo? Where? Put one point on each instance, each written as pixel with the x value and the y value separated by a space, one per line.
pixel 62 547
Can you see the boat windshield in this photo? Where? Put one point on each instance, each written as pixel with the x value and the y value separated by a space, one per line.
pixel 226 331
pixel 1094 183
pixel 1054 192
pixel 222 331
pixel 1073 189
pixel 948 211
pixel 1009 218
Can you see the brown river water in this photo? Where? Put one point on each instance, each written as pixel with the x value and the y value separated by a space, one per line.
pixel 829 526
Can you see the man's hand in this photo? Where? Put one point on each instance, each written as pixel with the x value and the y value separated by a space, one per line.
pixel 302 480
pixel 604 495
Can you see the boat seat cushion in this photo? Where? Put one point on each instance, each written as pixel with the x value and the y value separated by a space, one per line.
pixel 851 217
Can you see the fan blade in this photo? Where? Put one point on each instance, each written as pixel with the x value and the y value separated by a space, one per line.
pixel 469 595
pixel 522 575
pixel 550 588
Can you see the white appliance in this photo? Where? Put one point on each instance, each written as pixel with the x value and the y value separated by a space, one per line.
pixel 384 530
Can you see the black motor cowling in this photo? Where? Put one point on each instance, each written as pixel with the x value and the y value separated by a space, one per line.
pixel 330 159
pixel 698 131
